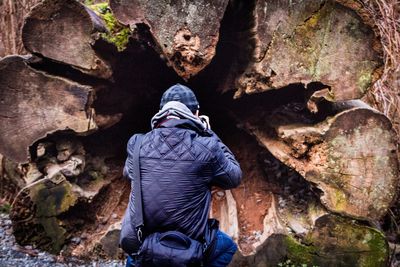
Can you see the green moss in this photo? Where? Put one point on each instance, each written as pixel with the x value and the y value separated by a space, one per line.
pixel 337 241
pixel 297 252
pixel 54 232
pixel 52 200
pixel 378 249
pixel 366 239
pixel 89 2
pixel 5 208
pixel 117 33
pixel 355 244
pixel 340 201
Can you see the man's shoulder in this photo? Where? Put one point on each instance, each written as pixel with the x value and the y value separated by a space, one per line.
pixel 133 139
pixel 179 140
pixel 208 143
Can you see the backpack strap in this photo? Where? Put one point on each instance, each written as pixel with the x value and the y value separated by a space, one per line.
pixel 137 189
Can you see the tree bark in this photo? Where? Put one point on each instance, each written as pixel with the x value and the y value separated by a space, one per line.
pixel 68 38
pixel 12 15
pixel 186 33
pixel 312 164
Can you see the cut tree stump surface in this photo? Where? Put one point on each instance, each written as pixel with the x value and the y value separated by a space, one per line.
pixel 311 41
pixel 34 104
pixel 344 156
pixel 65 30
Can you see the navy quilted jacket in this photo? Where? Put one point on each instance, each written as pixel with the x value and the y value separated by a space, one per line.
pixel 178 163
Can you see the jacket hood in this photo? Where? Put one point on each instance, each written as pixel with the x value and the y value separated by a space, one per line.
pixel 185 124
pixel 180 111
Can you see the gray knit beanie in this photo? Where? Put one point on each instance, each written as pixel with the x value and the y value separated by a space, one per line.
pixel 181 93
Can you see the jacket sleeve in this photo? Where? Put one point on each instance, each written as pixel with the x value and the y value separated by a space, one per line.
pixel 129 150
pixel 226 170
pixel 128 239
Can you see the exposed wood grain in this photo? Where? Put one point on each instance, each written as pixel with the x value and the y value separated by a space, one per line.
pixel 34 104
pixel 65 31
pixel 311 41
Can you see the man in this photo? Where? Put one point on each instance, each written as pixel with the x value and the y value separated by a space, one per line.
pixel 180 159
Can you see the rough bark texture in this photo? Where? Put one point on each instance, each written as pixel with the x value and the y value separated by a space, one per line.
pixel 12 13
pixel 65 31
pixel 318 176
pixel 11 179
pixel 186 32
pixel 311 41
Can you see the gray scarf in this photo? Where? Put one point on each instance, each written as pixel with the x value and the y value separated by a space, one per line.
pixel 179 110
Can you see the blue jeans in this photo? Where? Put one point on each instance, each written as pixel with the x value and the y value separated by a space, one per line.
pixel 222 255
pixel 223 252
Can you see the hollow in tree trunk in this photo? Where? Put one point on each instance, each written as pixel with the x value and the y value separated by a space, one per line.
pixel 278 80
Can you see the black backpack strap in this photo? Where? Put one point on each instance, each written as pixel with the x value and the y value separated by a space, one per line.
pixel 137 189
pixel 210 238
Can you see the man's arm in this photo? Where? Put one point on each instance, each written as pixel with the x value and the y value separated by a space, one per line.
pixel 128 240
pixel 226 170
pixel 129 150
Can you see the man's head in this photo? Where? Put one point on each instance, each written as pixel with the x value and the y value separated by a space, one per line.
pixel 183 94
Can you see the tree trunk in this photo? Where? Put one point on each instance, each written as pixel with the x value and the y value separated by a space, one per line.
pixel 186 33
pixel 302 41
pixel 320 171
pixel 67 106
pixel 344 155
pixel 68 38
pixel 12 15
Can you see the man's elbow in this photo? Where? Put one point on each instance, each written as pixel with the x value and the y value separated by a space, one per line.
pixel 129 245
pixel 236 177
pixel 230 179
pixel 128 240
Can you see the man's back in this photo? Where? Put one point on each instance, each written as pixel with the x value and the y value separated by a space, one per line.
pixel 176 172
pixel 178 166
